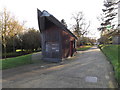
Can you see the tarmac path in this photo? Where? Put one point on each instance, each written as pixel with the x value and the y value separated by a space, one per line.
pixel 88 69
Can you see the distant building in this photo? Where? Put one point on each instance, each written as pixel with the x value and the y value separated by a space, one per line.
pixel 57 41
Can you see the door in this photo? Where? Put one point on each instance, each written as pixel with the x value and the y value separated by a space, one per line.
pixel 71 48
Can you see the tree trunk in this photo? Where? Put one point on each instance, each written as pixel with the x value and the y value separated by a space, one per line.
pixel 13 45
pixel 5 50
pixel 4 46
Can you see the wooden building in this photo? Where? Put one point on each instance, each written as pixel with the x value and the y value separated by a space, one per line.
pixel 57 41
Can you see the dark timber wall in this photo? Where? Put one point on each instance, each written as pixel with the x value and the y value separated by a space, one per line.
pixel 51 40
pixel 57 41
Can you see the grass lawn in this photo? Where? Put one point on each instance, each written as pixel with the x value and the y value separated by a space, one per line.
pixel 111 51
pixel 16 61
pixel 82 48
pixel 19 52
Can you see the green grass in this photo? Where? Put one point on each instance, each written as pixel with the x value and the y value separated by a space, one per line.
pixel 82 48
pixel 16 61
pixel 11 54
pixel 111 51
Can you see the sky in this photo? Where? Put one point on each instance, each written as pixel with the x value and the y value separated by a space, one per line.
pixel 26 10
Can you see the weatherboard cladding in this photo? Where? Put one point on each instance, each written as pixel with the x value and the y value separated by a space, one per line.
pixel 57 40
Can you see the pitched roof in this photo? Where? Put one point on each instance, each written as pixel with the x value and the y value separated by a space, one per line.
pixel 41 21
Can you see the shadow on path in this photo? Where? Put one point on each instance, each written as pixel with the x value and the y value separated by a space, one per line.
pixel 88 69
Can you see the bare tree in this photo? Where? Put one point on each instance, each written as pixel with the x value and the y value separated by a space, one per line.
pixel 78 17
pixel 80 28
pixel 85 28
pixel 9 28
pixel 4 18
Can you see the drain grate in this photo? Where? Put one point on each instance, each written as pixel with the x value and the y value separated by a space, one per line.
pixel 42 66
pixel 91 79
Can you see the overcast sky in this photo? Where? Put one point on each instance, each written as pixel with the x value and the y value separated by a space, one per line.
pixel 26 10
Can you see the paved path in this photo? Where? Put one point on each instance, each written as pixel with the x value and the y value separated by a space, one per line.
pixel 88 69
pixel 36 56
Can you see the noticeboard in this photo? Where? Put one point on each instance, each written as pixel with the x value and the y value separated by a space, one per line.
pixel 52 47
